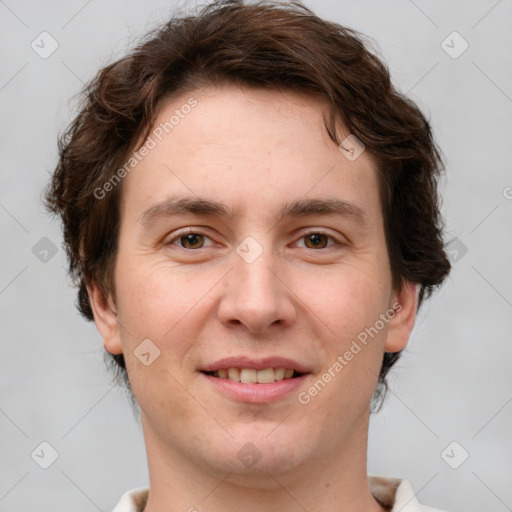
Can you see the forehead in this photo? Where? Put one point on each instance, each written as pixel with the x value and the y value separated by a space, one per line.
pixel 249 147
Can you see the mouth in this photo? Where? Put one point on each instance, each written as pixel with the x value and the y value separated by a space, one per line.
pixel 251 380
pixel 253 376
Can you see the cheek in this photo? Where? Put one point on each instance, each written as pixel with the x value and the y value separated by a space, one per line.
pixel 350 305
pixel 155 304
pixel 154 298
pixel 167 306
pixel 350 299
pixel 354 347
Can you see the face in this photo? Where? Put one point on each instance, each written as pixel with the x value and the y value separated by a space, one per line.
pixel 248 240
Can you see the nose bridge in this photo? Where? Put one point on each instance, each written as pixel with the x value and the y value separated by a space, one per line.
pixel 253 273
pixel 255 296
pixel 252 278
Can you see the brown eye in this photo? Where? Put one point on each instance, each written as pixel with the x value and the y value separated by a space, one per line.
pixel 192 241
pixel 316 241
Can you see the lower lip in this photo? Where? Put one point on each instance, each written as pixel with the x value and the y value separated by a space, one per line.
pixel 256 393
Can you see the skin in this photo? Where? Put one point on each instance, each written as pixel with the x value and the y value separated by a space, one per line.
pixel 253 150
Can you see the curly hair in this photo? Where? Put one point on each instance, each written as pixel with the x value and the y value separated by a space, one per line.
pixel 271 44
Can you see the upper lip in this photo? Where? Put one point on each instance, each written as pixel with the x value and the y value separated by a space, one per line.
pixel 255 363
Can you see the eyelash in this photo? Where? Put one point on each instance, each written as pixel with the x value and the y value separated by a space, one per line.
pixel 316 232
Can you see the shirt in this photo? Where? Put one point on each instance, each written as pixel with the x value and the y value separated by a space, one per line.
pixel 389 492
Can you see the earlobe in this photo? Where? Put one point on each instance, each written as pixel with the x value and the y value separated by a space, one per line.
pixel 105 318
pixel 405 304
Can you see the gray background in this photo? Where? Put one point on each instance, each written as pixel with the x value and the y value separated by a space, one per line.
pixel 454 382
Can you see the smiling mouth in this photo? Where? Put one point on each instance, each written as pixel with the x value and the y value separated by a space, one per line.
pixel 252 376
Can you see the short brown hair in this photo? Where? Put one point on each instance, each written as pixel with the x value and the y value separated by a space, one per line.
pixel 266 44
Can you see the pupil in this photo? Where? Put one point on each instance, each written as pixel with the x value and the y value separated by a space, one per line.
pixel 192 239
pixel 316 239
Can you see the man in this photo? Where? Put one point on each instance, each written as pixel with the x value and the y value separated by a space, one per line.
pixel 250 211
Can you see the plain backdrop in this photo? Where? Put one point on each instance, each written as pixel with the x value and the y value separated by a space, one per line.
pixel 446 423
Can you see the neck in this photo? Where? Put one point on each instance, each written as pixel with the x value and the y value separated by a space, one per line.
pixel 333 481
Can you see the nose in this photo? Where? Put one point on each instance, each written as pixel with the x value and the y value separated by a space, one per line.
pixel 256 295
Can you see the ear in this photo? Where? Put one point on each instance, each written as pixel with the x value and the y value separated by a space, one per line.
pixel 105 317
pixel 400 326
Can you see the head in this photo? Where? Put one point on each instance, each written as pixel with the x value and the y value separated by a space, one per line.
pixel 239 115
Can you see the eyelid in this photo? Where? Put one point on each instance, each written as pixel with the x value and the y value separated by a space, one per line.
pixel 320 232
pixel 298 236
pixel 186 231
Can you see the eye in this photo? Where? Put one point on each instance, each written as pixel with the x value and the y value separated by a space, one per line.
pixel 190 240
pixel 317 240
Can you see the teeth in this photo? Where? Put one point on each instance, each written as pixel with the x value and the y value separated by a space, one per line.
pixel 279 373
pixel 249 375
pixel 266 376
pixel 234 374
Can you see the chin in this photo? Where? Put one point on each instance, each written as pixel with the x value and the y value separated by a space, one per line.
pixel 259 451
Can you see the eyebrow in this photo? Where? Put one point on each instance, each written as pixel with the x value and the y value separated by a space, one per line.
pixel 174 206
pixel 333 207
